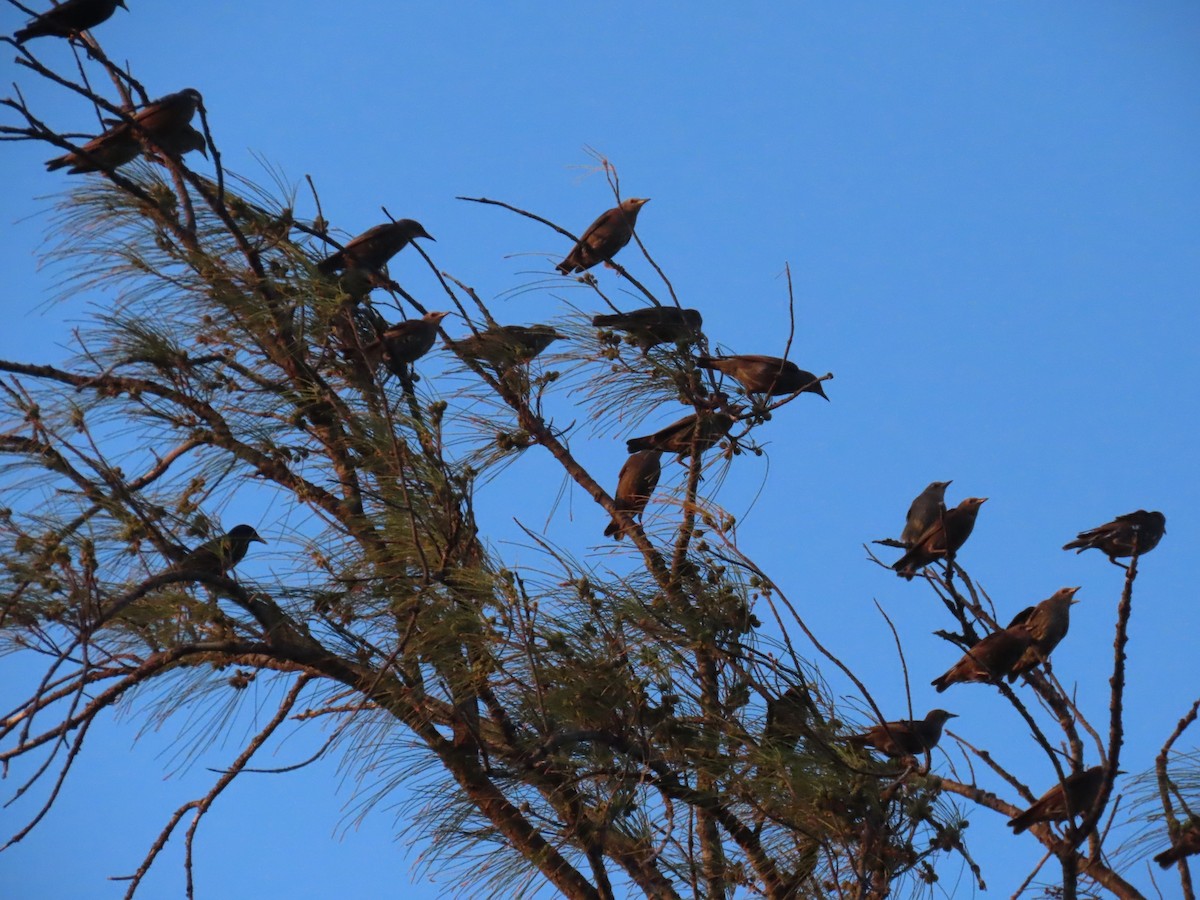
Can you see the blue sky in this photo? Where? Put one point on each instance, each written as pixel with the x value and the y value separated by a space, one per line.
pixel 991 212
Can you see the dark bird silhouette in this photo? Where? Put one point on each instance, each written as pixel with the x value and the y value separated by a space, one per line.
pixel 926 509
pixel 790 716
pixel 506 345
pixel 402 344
pixel 68 19
pixel 165 122
pixel 989 660
pixel 1073 796
pixel 1185 843
pixel 907 737
pixel 703 430
pixel 941 539
pixel 655 325
pixel 1116 538
pixel 638 478
pixel 768 375
pixel 604 237
pixel 374 247
pixel 1047 624
pixel 218 556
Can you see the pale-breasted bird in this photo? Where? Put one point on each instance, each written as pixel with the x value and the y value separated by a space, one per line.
pixel 944 537
pixel 1047 624
pixel 1186 842
pixel 655 325
pixel 768 375
pixel 701 430
pixel 402 344
pixel 906 737
pixel 926 509
pixel 989 660
pixel 374 247
pixel 219 555
pixel 165 122
pixel 1072 796
pixel 638 478
pixel 1116 538
pixel 604 237
pixel 68 19
pixel 506 345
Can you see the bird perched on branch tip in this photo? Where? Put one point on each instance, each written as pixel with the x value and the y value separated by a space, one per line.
pixel 635 484
pixel 653 325
pixel 943 538
pixel 1118 537
pixel 768 375
pixel 374 247
pixel 1075 795
pixel 68 19
pixel 906 737
pixel 604 237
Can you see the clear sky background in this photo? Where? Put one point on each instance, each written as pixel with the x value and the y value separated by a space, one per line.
pixel 992 216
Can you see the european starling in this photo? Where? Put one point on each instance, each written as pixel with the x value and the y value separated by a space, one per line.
pixel 702 429
pixel 1047 624
pixel 927 509
pixel 1074 796
pixel 604 237
pixel 945 536
pixel 655 325
pixel 374 247
pixel 790 716
pixel 404 343
pixel 1116 538
pixel 635 484
pixel 768 375
pixel 218 556
pixel 990 659
pixel 69 18
pixel 907 737
pixel 506 345
pixel 1185 843
pixel 166 121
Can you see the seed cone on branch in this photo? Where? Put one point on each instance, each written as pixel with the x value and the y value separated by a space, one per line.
pixel 768 375
pixel 604 237
pixel 1117 538
pixel 68 19
pixel 1047 624
pixel 655 325
pixel 636 482
pixel 989 660
pixel 906 737
pixel 1073 796
pixel 941 539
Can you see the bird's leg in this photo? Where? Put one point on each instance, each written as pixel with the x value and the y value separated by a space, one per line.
pixel 1113 560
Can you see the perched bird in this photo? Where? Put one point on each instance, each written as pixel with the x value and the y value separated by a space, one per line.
pixel 926 509
pixel 907 737
pixel 404 343
pixel 700 429
pixel 1186 842
pixel 1116 538
pixel 506 345
pixel 69 18
pixel 941 539
pixel 635 484
pixel 768 375
pixel 655 325
pixel 790 716
pixel 1047 624
pixel 1073 796
pixel 218 556
pixel 374 247
pixel 989 660
pixel 604 237
pixel 165 121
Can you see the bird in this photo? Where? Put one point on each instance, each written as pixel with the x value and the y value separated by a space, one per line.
pixel 402 344
pixel 1186 842
pixel 219 555
pixel 926 509
pixel 703 430
pixel 506 345
pixel 636 482
pixel 604 237
pixel 943 538
pixel 654 325
pixel 1047 624
pixel 1117 538
pixel 68 19
pixel 166 122
pixel 768 375
pixel 989 659
pixel 907 737
pixel 1073 796
pixel 374 247
pixel 790 716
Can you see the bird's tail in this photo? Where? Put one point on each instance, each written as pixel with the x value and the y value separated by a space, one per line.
pixel 566 267
pixel 330 264
pixel 639 443
pixel 59 162
pixel 1020 823
pixel 598 321
pixel 1078 545
pixel 706 362
pixel 942 681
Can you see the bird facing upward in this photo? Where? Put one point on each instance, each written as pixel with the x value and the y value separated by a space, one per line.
pixel 1047 624
pixel 68 19
pixel 907 737
pixel 604 237
pixel 219 555
pixel 1116 538
pixel 768 375
pixel 374 247
pixel 944 537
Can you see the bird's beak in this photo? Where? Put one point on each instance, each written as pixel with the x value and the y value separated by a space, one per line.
pixel 818 389
pixel 258 539
pixel 951 715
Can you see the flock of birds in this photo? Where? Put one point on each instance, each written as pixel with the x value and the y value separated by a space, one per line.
pixel 931 532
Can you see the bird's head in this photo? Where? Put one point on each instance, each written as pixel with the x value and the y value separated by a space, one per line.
pixel 1069 594
pixel 815 387
pixel 940 486
pixel 245 533
pixel 193 96
pixel 940 716
pixel 435 317
pixel 413 229
pixel 972 503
